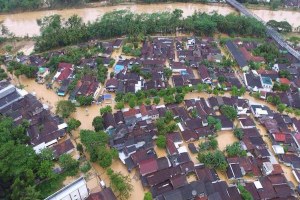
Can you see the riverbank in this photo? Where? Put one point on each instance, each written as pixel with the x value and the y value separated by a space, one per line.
pixel 29 26
pixel 106 4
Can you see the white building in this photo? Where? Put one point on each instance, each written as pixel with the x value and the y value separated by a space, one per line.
pixel 75 191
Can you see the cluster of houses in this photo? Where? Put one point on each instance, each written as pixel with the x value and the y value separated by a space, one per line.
pixel 45 129
pixel 184 57
pixel 133 132
pixel 263 80
pixel 65 73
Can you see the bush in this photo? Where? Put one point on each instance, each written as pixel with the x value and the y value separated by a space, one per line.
pixel 235 150
pixel 238 133
pixel 85 167
pixel 161 141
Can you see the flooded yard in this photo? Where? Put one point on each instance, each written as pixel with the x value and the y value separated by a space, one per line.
pixel 225 138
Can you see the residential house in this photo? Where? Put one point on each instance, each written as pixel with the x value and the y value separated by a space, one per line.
pixel 76 190
pixel 65 71
pixel 104 194
pixel 237 55
pixel 204 75
pixel 111 85
pixel 261 110
pixel 253 81
pixel 247 122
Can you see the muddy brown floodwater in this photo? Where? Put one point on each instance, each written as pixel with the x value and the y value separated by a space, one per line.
pixel 22 24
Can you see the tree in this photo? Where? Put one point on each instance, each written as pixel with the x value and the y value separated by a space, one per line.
pixel 68 164
pixel 148 101
pixel 156 100
pixel 238 133
pixel 46 154
pixel 246 195
pixel 106 109
pixel 104 157
pixel 64 108
pixel 131 103
pixel 98 123
pixel 211 144
pixel 214 159
pixel 45 169
pixel 167 73
pixel 119 105
pixel 281 107
pixel 229 111
pixel 79 148
pixel 289 110
pixel 148 196
pixel 120 184
pixel 73 124
pixel 161 141
pixel 84 100
pixel 179 98
pixel 235 150
pixel 285 74
pixel 216 123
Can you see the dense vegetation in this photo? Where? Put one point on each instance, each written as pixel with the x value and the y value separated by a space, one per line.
pixel 23 5
pixel 281 26
pixel 23 173
pixel 56 32
pixel 120 184
pixel 96 145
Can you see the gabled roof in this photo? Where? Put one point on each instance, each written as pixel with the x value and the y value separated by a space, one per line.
pixel 148 166
pixel 236 53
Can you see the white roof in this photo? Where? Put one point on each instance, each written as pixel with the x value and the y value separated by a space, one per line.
pixel 180 126
pixel 261 111
pixel 56 75
pixel 182 149
pixel 62 126
pixel 258 185
pixel 278 149
pixel 65 191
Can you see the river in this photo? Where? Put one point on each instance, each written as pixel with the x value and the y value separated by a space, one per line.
pixel 22 24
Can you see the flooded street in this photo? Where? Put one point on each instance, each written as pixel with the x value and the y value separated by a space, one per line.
pixel 22 24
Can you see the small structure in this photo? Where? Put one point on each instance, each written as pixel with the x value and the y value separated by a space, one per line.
pixel 75 191
pixel 42 74
pixel 266 83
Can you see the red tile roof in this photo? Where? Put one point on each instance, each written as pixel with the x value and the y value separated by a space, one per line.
pixel 285 81
pixel 148 166
pixel 171 147
pixel 65 69
pixel 279 137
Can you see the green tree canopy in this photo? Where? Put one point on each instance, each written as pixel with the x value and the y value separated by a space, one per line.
pixel 65 108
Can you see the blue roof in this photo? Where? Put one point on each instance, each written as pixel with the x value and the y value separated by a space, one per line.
pixel 266 80
pixel 107 96
pixel 118 68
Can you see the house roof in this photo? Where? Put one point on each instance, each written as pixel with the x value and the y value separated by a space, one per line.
pixel 279 137
pixel 108 120
pixel 205 174
pixel 237 54
pixel 148 166
pixel 104 194
pixel 65 71
pixel 62 148
pixel 178 181
pixel 189 135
